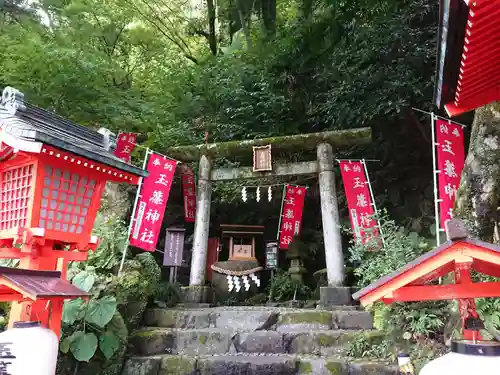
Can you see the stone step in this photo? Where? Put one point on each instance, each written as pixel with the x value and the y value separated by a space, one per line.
pixel 199 341
pixel 208 341
pixel 251 365
pixel 252 319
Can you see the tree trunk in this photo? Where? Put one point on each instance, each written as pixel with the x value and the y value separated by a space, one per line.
pixel 212 37
pixel 305 10
pixel 478 197
pixel 244 24
pixel 269 16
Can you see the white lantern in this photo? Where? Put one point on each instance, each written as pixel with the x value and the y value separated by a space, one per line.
pixel 466 358
pixel 28 348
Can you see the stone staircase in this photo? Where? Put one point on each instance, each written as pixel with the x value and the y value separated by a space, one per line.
pixel 250 340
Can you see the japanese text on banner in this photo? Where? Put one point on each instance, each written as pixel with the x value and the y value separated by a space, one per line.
pixel 359 200
pixel 291 214
pixel 188 188
pixel 125 144
pixel 450 162
pixel 153 200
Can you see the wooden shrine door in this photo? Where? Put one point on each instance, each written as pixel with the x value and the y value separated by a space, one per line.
pixel 212 256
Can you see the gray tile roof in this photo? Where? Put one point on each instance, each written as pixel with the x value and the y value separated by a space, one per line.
pixel 35 124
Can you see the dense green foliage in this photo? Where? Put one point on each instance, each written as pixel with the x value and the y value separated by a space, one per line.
pixel 282 287
pixel 96 331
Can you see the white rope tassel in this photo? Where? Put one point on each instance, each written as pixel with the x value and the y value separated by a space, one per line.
pixel 244 194
pixel 269 194
pixel 257 193
pixel 237 285
pixel 246 282
pixel 255 279
pixel 230 285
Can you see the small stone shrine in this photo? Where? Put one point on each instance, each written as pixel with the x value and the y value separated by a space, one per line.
pixel 239 274
pixel 241 240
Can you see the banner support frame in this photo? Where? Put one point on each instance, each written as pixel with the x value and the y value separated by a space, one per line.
pixel 374 205
pixel 434 177
pixel 132 219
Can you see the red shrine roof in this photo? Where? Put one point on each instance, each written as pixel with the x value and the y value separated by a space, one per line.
pixel 17 284
pixel 27 128
pixel 468 55
pixel 412 282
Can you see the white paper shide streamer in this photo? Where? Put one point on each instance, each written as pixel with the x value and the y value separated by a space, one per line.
pixel 255 279
pixel 237 284
pixel 230 284
pixel 244 194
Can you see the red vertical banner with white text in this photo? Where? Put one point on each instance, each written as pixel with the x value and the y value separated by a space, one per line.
pixel 450 163
pixel 189 192
pixel 359 200
pixel 153 199
pixel 125 144
pixel 291 214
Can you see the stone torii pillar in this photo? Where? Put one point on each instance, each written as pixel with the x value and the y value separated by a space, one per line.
pixel 330 216
pixel 324 143
pixel 202 223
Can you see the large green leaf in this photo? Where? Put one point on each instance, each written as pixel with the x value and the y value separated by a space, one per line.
pixel 66 343
pixel 84 347
pixel 109 344
pixel 85 279
pixel 101 311
pixel 73 310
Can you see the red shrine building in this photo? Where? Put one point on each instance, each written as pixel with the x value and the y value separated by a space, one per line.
pixel 468 55
pixel 52 176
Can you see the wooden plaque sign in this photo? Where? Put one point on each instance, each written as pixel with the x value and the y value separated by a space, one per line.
pixel 262 161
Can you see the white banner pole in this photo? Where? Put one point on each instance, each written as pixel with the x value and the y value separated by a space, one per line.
pixel 373 199
pixel 281 215
pixel 137 196
pixel 434 175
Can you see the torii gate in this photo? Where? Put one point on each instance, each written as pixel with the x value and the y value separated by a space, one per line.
pixel 324 143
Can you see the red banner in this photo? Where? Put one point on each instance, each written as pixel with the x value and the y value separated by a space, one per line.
pixel 359 200
pixel 125 144
pixel 291 214
pixel 189 191
pixel 153 200
pixel 450 162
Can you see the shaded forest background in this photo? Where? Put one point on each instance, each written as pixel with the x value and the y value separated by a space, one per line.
pixel 240 69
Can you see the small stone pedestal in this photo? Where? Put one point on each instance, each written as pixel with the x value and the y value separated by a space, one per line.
pixel 197 294
pixel 331 296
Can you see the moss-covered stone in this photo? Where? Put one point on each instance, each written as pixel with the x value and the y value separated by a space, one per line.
pixel 177 365
pixel 304 367
pixel 134 287
pixel 371 368
pixel 141 366
pixel 336 367
pixel 319 317
pixel 478 196
pixel 153 341
pixel 162 318
pixel 203 341
pixel 337 139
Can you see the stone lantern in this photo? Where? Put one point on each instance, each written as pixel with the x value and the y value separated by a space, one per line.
pixel 52 176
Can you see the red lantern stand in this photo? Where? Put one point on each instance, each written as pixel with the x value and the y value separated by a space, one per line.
pixel 417 280
pixel 52 176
